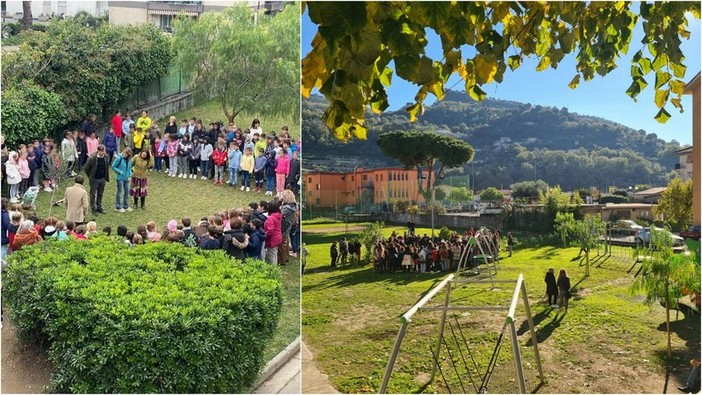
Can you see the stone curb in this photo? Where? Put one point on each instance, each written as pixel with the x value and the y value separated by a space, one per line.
pixel 279 360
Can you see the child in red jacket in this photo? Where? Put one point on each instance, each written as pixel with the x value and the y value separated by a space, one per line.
pixel 219 158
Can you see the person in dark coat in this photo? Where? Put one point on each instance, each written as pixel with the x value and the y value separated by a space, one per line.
pixel 563 289
pixel 294 174
pixel 551 287
pixel 235 241
pixel 334 253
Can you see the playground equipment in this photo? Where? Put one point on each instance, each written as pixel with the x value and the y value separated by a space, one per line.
pixel 489 258
pixel 447 285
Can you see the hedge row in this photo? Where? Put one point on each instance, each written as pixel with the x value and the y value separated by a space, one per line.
pixel 156 318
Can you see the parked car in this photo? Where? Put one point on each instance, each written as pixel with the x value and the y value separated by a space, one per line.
pixel 693 232
pixel 643 237
pixel 625 227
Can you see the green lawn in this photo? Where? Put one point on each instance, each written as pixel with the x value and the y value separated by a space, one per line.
pixel 609 341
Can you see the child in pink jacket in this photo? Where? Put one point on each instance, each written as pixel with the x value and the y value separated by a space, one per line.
pixel 281 171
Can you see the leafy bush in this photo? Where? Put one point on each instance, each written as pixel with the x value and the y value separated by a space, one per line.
pixel 92 69
pixel 371 234
pixel 29 112
pixel 155 318
pixel 613 199
pixel 321 221
pixel 444 233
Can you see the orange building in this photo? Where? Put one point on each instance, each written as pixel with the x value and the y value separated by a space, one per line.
pixel 362 187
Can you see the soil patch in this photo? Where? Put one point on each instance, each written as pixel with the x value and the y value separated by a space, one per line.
pixel 25 368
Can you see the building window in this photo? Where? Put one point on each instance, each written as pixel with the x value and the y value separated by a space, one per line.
pixel 164 22
pixel 353 178
pixel 381 177
pixel 309 180
pixel 689 159
pixel 318 201
pixel 318 187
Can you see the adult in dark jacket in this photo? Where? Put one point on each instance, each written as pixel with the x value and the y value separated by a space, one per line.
pixel 294 173
pixel 334 253
pixel 98 170
pixel 235 241
pixel 5 225
pixel 88 125
pixel 551 287
pixel 563 289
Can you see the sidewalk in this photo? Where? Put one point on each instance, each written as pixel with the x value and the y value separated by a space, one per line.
pixel 286 380
pixel 315 382
pixel 282 374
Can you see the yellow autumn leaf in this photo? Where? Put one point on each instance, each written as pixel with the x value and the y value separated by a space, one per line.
pixel 486 67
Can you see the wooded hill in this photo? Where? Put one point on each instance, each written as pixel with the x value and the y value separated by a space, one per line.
pixel 513 141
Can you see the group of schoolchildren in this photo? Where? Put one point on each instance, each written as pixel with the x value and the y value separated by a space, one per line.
pixel 269 230
pixel 188 150
pixel 424 254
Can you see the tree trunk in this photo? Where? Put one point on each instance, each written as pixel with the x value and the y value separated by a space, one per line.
pixel 587 262
pixel 26 21
pixel 667 319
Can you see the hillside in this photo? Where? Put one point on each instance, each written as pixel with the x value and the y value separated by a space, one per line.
pixel 513 141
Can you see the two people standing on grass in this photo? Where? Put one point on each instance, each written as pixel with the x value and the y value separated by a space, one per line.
pixel 558 288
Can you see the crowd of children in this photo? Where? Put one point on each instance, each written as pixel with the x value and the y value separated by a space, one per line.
pixel 249 159
pixel 410 252
pixel 267 230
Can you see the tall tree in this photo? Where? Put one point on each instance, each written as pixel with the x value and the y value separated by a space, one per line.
pixel 676 203
pixel 249 65
pixel 491 194
pixel 425 151
pixel 460 195
pixel 26 21
pixel 356 41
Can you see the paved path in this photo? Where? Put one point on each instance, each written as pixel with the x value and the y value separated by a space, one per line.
pixel 315 382
pixel 285 380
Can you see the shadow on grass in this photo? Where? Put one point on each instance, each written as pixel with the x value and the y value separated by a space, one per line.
pixel 677 368
pixel 540 316
pixel 549 253
pixel 678 365
pixel 347 277
pixel 547 330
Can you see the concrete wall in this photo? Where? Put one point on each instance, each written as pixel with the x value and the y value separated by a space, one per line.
pixel 160 109
pixel 127 15
pixel 450 221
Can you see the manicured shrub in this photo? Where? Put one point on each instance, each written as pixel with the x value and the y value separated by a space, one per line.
pixel 154 318
pixel 604 199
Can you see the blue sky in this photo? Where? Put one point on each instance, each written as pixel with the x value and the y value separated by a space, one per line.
pixel 602 96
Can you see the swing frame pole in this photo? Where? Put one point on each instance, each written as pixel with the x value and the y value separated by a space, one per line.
pixel 532 331
pixel 517 358
pixel 393 358
pixel 441 329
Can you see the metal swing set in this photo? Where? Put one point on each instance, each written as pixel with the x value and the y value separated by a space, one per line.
pixel 508 326
pixel 489 259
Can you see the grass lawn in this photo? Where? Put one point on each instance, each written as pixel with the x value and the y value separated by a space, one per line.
pixel 174 198
pixel 211 111
pixel 608 342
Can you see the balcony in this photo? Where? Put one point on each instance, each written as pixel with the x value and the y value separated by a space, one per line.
pixel 189 8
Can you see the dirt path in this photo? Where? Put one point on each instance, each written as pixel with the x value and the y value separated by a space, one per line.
pixel 25 369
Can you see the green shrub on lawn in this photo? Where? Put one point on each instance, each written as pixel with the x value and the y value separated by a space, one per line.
pixel 154 318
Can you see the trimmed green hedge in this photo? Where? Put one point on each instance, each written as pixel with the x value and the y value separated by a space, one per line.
pixel 154 318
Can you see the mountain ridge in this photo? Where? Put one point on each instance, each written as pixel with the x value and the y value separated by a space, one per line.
pixel 514 142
